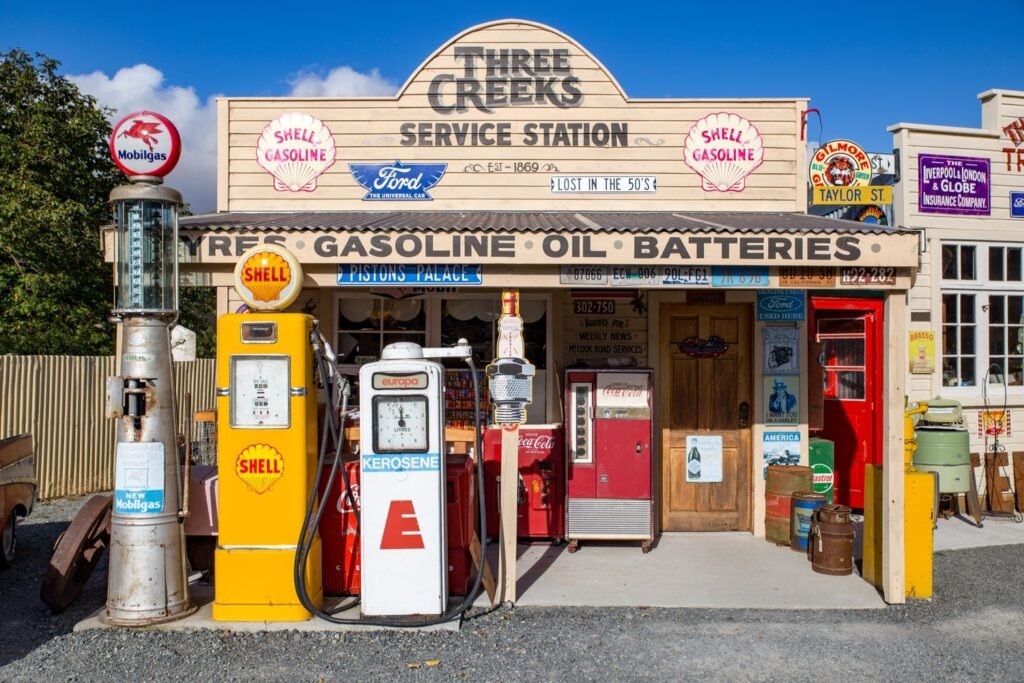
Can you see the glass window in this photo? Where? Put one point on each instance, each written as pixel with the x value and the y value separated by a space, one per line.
pixel 844 350
pixel 476 321
pixel 1005 352
pixel 367 324
pixel 959 359
pixel 958 262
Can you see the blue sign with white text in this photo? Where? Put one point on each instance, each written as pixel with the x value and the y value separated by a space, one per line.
pixel 427 274
pixel 739 276
pixel 781 304
pixel 397 181
pixel 1017 204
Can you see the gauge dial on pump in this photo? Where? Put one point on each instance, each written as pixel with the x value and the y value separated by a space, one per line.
pixel 400 424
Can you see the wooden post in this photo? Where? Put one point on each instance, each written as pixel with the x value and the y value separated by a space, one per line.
pixel 509 511
pixel 893 392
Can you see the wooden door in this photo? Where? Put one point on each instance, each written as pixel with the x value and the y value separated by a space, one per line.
pixel 706 396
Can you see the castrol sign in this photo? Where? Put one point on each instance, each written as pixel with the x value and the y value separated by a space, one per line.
pixel 268 278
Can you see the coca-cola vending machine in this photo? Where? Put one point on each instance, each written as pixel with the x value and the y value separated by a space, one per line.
pixel 541 488
pixel 609 431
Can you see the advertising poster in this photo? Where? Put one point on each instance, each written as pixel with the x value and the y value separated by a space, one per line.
pixel 922 351
pixel 139 478
pixel 780 448
pixel 703 459
pixel 954 185
pixel 781 400
pixel 993 423
pixel 781 351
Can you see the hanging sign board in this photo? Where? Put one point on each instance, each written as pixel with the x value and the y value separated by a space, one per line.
pixel 703 459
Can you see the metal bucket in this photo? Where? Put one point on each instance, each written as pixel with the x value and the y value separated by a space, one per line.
pixel 802 517
pixel 833 514
pixel 780 485
pixel 831 543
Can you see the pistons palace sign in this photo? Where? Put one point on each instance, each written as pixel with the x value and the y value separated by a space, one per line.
pixel 145 143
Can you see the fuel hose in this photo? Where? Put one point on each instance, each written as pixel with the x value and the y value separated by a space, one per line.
pixel 311 521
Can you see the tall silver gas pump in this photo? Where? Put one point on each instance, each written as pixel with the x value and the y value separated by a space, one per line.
pixel 147 581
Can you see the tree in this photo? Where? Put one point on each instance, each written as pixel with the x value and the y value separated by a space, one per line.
pixel 55 177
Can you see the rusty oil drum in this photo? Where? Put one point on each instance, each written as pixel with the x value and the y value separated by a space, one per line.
pixel 831 541
pixel 781 483
pixel 801 515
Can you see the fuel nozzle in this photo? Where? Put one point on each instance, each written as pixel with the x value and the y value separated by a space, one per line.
pixel 510 375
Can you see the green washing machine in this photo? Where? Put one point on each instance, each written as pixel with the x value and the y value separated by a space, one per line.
pixel 944 446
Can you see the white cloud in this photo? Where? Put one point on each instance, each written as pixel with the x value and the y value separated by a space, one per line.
pixel 141 87
pixel 342 81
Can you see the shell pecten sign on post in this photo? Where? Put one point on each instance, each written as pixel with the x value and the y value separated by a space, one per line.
pixel 268 278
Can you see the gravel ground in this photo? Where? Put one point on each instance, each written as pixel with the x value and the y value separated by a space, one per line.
pixel 971 630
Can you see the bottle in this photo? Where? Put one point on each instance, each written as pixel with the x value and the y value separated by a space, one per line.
pixel 693 463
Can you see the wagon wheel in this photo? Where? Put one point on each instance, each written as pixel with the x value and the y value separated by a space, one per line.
pixel 76 553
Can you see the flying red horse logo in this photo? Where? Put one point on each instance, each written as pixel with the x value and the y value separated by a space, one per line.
pixel 143 130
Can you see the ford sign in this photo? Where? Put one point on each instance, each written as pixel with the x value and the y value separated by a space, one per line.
pixel 397 181
pixel 1016 204
pixel 775 306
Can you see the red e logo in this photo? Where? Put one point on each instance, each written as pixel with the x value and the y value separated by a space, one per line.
pixel 401 530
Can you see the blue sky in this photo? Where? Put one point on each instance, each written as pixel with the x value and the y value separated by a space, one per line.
pixel 865 65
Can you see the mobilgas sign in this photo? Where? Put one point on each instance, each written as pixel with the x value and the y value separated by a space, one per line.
pixel 145 143
pixel 397 181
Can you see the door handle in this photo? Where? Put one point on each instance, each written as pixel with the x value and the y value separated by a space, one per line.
pixel 744 415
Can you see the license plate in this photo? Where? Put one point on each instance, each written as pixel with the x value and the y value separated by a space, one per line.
pixel 867 275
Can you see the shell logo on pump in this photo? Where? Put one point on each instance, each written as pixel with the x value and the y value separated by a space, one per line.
pixel 268 278
pixel 259 466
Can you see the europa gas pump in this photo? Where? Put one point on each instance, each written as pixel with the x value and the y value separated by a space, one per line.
pixel 402 488
pixel 267 444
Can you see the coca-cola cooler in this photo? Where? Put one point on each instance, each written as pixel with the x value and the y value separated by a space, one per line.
pixel 609 432
pixel 541 487
pixel 339 530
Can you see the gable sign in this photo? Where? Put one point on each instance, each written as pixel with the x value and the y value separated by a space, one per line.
pixel 520 117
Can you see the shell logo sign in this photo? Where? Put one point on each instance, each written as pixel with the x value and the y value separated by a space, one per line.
pixel 723 148
pixel 268 278
pixel 259 466
pixel 296 149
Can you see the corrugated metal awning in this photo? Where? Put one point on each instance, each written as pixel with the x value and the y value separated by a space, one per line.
pixel 542 222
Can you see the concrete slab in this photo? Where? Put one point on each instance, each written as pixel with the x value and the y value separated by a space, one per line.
pixel 202 619
pixel 957 533
pixel 713 570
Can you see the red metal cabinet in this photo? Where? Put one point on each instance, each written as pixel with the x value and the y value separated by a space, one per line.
pixel 609 432
pixel 541 510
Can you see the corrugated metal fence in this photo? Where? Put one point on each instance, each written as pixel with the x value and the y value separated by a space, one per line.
pixel 60 401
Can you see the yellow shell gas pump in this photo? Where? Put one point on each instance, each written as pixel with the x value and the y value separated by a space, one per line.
pixel 266 443
pixel 919 504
